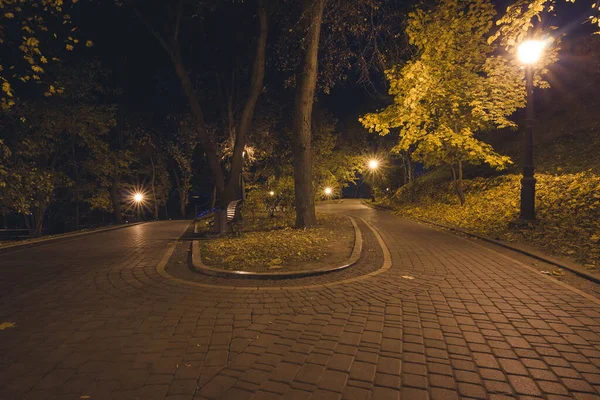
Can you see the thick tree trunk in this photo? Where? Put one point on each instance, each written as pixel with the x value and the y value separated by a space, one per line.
pixel 116 201
pixel 154 188
pixel 306 82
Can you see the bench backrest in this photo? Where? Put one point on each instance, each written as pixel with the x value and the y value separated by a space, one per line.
pixel 233 209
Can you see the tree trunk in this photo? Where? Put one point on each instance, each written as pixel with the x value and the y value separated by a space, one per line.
pixel 306 82
pixel 234 184
pixel 182 205
pixel 206 141
pixel 180 182
pixel 39 220
pixel 116 201
pixel 214 198
pixel 154 188
pixel 458 182
pixel 27 222
pixel 410 168
pixel 76 189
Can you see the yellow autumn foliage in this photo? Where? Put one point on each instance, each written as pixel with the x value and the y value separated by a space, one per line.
pixel 24 29
pixel 270 243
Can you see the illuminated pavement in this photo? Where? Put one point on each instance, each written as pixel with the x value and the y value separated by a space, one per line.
pixel 447 319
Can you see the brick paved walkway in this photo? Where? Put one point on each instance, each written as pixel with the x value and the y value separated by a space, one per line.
pixel 95 318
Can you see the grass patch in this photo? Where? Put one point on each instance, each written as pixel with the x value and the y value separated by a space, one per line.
pixel 270 244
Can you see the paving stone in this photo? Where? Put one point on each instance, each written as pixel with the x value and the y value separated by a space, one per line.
pixel 100 320
pixel 385 393
pixel 333 380
pixel 362 371
pixel 524 385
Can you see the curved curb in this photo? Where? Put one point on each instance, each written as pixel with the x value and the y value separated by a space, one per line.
pixel 161 269
pixel 199 266
pixel 530 253
pixel 564 264
pixel 65 237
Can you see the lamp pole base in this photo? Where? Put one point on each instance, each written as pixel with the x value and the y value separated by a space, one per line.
pixel 523 223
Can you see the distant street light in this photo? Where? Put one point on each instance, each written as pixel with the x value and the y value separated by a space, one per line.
pixel 138 202
pixel 328 191
pixel 373 164
pixel 529 53
pixel 271 193
pixel 138 197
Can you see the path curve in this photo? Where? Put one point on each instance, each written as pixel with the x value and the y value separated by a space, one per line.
pixel 94 318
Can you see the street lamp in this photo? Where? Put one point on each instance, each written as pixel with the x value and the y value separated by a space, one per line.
pixel 138 199
pixel 328 191
pixel 373 164
pixel 271 193
pixel 529 53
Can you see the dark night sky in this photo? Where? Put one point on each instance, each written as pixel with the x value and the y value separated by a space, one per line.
pixel 142 68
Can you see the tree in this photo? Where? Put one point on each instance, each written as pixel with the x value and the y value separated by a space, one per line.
pixel 306 82
pixel 333 37
pixel 336 160
pixel 181 150
pixel 30 30
pixel 51 139
pixel 452 89
pixel 518 20
pixel 227 184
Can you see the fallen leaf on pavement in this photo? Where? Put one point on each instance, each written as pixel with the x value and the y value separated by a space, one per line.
pixel 6 325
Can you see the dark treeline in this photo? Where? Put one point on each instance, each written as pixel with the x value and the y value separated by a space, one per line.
pixel 189 103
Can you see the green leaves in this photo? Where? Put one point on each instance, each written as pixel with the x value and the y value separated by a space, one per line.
pixel 452 89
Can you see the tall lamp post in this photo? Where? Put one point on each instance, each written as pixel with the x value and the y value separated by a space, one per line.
pixel 529 53
pixel 373 166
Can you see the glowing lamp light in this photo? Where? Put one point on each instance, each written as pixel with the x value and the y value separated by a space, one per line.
pixel 271 193
pixel 328 191
pixel 138 197
pixel 531 51
pixel 373 164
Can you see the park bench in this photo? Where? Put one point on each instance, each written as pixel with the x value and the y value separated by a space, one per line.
pixel 14 234
pixel 233 215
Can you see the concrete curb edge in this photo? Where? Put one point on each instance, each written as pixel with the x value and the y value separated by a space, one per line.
pixel 64 238
pixel 199 266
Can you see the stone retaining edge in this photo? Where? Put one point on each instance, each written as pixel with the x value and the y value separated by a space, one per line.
pixel 198 265
pixel 62 238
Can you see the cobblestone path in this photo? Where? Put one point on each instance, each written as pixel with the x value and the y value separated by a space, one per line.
pixel 119 315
